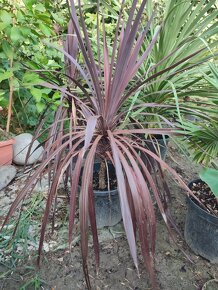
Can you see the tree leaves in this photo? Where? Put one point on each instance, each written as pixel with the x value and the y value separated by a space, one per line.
pixel 45 29
pixel 29 3
pixel 3 25
pixel 16 34
pixel 5 75
pixel 6 17
pixel 7 49
pixel 26 32
pixel 37 94
pixel 40 107
pixel 40 7
pixel 210 176
pixel 21 35
pixel 30 79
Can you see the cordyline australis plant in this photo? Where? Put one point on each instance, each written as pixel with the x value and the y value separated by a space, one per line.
pixel 90 126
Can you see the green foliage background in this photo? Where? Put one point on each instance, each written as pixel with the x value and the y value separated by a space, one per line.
pixel 24 26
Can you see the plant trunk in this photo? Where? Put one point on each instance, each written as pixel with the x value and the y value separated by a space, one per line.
pixel 102 175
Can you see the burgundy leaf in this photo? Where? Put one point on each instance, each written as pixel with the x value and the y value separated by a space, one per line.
pixel 125 209
pixel 87 177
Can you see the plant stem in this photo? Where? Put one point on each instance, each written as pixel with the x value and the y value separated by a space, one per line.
pixel 11 87
pixel 11 90
pixel 102 175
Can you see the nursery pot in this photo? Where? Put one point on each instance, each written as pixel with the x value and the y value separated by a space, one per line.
pixel 107 204
pixel 201 230
pixel 211 285
pixel 157 145
pixel 6 152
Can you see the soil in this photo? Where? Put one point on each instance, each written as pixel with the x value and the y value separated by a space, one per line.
pixel 206 196
pixel 62 270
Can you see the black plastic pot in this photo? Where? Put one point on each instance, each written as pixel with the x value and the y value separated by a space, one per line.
pixel 211 285
pixel 107 207
pixel 157 145
pixel 107 204
pixel 201 230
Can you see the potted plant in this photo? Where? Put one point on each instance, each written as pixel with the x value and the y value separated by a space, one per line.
pixel 210 285
pixel 176 93
pixel 88 126
pixel 6 147
pixel 201 226
pixel 6 150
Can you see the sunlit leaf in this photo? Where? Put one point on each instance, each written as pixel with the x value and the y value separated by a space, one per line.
pixel 6 17
pixel 45 29
pixel 40 107
pixel 37 94
pixel 6 75
pixel 29 3
pixel 40 7
pixel 56 96
pixel 16 34
pixel 210 176
pixel 30 78
pixel 7 48
pixel 3 25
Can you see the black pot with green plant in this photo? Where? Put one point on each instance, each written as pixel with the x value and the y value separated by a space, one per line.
pixel 201 226
pixel 88 124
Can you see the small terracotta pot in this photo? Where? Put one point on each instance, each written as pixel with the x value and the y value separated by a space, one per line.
pixel 6 152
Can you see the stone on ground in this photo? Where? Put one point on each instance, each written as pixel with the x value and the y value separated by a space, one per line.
pixel 7 173
pixel 20 148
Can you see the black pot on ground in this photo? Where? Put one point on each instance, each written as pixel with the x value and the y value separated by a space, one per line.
pixel 201 229
pixel 107 203
pixel 211 285
pixel 158 145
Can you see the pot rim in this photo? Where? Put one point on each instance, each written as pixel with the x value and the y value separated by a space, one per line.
pixel 7 142
pixel 213 217
pixel 103 192
pixel 160 136
pixel 209 282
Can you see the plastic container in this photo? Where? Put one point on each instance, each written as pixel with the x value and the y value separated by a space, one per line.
pixel 211 285
pixel 201 230
pixel 158 145
pixel 107 208
pixel 107 204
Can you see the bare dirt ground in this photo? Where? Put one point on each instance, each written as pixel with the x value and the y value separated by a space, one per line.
pixel 61 270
